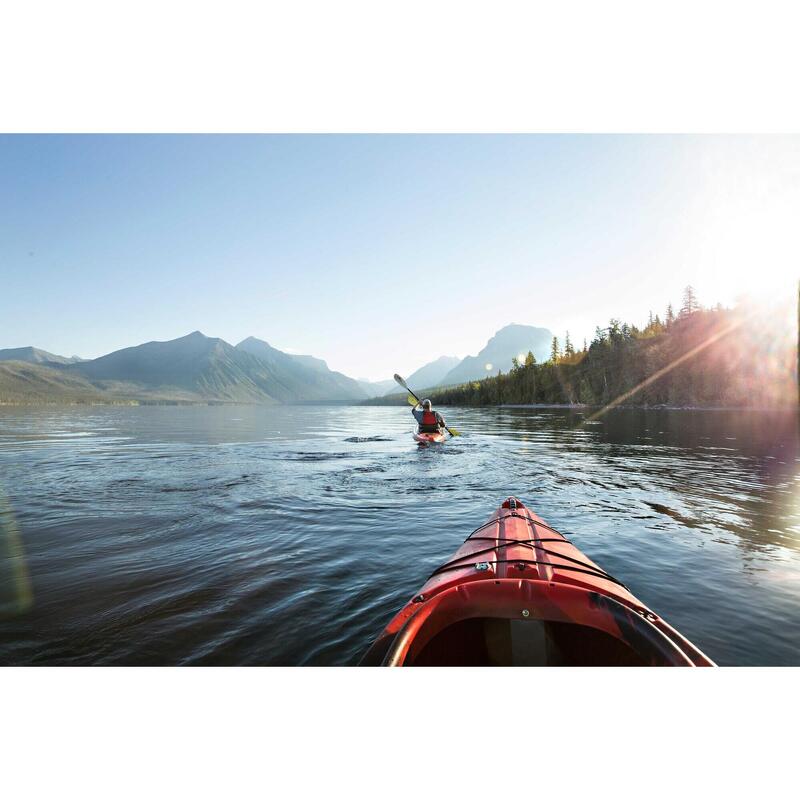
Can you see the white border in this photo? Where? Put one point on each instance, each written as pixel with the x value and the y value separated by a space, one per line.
pixel 330 732
pixel 308 65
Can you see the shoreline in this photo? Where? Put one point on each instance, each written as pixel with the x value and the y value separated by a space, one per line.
pixel 363 404
pixel 641 408
pixel 177 403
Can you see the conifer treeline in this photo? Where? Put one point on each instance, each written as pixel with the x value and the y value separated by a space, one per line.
pixel 697 357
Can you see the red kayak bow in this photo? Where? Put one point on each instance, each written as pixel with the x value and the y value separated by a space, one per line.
pixel 517 592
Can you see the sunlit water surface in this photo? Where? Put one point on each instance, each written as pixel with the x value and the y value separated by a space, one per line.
pixel 244 535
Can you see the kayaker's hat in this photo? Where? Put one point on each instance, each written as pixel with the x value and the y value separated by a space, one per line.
pixel 426 404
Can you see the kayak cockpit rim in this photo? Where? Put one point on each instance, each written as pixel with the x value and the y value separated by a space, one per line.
pixel 525 623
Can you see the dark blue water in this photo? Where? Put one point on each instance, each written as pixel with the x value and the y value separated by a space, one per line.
pixel 244 535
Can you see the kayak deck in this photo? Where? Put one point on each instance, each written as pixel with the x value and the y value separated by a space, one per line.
pixel 517 592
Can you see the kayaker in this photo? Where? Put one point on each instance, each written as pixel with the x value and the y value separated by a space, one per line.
pixel 429 421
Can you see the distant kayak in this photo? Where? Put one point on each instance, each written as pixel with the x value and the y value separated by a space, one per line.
pixel 429 438
pixel 518 593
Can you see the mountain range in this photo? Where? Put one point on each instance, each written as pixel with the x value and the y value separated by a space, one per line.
pixel 199 368
pixel 33 355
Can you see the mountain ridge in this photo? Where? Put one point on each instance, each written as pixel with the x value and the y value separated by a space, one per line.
pixel 429 374
pixel 510 341
pixel 35 355
pixel 191 367
pixel 308 377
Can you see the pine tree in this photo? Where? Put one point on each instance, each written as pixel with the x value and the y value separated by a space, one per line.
pixel 670 315
pixel 690 304
pixel 569 350
pixel 530 359
pixel 599 334
pixel 554 350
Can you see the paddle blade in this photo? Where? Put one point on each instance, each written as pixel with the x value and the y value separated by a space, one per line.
pixel 453 432
pixel 401 381
pixel 412 401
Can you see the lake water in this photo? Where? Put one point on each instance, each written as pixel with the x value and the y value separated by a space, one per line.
pixel 291 535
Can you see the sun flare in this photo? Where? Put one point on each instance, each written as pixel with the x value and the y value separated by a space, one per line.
pixel 751 237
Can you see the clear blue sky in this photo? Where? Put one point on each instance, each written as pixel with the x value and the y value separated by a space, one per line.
pixel 378 253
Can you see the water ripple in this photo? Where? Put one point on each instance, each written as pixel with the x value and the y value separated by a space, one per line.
pixel 182 535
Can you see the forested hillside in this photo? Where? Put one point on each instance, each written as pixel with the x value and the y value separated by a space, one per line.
pixel 700 357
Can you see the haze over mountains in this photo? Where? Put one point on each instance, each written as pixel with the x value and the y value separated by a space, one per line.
pixel 508 342
pixel 377 388
pixel 199 368
pixel 430 375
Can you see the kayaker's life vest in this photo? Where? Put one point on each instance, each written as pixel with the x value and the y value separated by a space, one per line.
pixel 429 423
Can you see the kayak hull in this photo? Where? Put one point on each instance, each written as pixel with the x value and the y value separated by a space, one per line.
pixel 429 438
pixel 517 592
